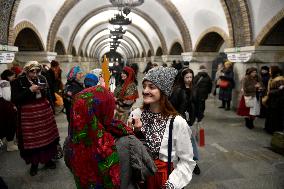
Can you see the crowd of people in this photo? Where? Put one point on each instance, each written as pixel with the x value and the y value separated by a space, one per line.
pixel 112 145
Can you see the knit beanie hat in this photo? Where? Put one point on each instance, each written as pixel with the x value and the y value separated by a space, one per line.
pixel 162 77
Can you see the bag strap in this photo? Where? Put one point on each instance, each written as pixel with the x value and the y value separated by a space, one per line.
pixel 201 77
pixel 170 145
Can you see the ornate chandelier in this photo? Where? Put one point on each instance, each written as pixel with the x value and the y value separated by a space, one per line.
pixel 119 19
pixel 126 3
pixel 118 31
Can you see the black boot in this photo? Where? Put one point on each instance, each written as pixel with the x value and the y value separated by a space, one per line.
pixel 251 123
pixel 223 104
pixel 247 122
pixel 196 170
pixel 228 106
pixel 33 170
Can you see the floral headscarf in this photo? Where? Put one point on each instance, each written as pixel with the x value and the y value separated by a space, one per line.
pixel 93 157
pixel 32 65
pixel 73 72
pixel 129 80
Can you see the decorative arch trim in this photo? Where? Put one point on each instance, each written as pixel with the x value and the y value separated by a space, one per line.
pixel 26 24
pixel 90 30
pixel 61 40
pixel 268 27
pixel 217 30
pixel 178 19
pixel 11 35
pixel 109 7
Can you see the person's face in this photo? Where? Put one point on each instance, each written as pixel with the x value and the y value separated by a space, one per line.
pixel 79 76
pixel 253 74
pixel 187 78
pixel 33 73
pixel 123 75
pixel 12 77
pixel 151 93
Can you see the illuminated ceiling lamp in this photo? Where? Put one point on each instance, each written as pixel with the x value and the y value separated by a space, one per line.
pixel 120 19
pixel 126 5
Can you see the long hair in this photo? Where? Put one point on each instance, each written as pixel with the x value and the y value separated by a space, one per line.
pixel 275 71
pixel 167 108
pixel 179 81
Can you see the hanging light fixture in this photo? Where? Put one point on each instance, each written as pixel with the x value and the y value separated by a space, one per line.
pixel 126 5
pixel 119 19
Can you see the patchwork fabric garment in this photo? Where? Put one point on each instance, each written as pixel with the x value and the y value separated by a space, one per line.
pixel 90 150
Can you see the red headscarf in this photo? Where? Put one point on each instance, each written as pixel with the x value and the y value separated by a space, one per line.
pixel 130 79
pixel 91 151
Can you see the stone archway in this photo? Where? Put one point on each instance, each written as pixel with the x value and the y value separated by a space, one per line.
pixel 28 40
pixel 73 52
pixel 149 54
pixel 159 51
pixel 176 49
pixel 269 28
pixel 109 7
pixel 211 40
pixel 59 48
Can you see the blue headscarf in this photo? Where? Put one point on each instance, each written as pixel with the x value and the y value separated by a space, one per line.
pixel 73 72
pixel 91 80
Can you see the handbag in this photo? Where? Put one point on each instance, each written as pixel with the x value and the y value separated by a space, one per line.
pixel 249 101
pixel 223 84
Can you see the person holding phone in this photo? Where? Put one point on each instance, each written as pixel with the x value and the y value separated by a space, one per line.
pixel 37 133
pixel 153 121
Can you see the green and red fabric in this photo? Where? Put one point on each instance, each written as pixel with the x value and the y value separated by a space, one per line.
pixel 91 152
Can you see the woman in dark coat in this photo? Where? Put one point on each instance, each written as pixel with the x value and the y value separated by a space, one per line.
pixel 225 93
pixel 72 87
pixel 275 101
pixel 37 132
pixel 182 101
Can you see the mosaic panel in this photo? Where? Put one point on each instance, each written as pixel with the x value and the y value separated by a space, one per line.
pixel 6 7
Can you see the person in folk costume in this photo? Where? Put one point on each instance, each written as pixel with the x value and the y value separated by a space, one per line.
pixel 153 121
pixel 90 80
pixel 182 101
pixel 225 93
pixel 72 87
pixel 102 152
pixel 8 111
pixel 249 105
pixel 274 101
pixel 125 94
pixel 37 131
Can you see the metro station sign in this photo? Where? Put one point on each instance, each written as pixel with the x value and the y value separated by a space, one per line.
pixel 239 57
pixel 6 57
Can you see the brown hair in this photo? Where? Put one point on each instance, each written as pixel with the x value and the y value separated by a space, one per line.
pixel 167 108
pixel 275 71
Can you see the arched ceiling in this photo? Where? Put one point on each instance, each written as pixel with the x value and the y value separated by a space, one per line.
pixel 156 23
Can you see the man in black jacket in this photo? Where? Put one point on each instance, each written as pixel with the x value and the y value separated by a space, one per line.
pixel 202 84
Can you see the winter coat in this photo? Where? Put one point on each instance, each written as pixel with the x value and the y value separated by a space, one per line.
pixel 203 88
pixel 249 85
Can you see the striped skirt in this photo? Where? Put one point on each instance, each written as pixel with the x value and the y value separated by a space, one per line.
pixel 38 124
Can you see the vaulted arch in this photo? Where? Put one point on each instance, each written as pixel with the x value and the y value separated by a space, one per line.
pixel 109 7
pixel 28 37
pixel 270 31
pixel 159 51
pixel 59 48
pixel 211 40
pixel 176 49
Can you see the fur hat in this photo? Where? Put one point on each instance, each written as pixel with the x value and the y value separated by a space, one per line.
pixel 162 77
pixel 30 65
